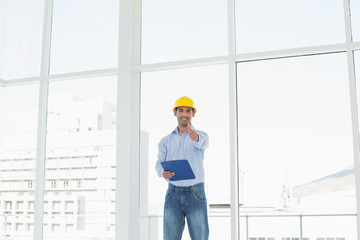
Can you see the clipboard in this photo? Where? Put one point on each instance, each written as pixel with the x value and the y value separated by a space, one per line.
pixel 181 168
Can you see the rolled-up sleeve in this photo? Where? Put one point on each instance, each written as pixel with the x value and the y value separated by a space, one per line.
pixel 203 141
pixel 161 157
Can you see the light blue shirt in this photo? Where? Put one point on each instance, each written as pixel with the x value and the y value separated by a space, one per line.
pixel 180 146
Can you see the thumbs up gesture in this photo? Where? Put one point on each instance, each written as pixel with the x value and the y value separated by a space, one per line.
pixel 192 134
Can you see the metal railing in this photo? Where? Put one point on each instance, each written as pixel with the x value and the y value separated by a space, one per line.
pixel 299 216
pixel 245 227
pixel 151 227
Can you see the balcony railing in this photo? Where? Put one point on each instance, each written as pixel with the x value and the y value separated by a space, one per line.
pixel 329 226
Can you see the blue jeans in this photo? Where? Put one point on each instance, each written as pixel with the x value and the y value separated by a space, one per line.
pixel 189 202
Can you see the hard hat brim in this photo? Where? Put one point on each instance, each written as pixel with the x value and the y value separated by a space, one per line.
pixel 174 109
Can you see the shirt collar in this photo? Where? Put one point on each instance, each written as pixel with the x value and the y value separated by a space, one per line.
pixel 176 130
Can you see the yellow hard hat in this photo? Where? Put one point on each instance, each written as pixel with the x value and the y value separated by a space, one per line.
pixel 184 102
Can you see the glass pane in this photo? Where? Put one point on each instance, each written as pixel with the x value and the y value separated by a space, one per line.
pixel 325 228
pixel 263 25
pixel 242 225
pixel 208 87
pixel 178 30
pixel 18 124
pixel 80 159
pixel 21 25
pixel 84 35
pixel 272 228
pixel 295 139
pixel 355 19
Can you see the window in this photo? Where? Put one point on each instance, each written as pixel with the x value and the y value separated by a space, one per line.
pixel 277 106
pixel 158 98
pixel 8 205
pixel 19 227
pixel 318 227
pixel 30 227
pixel 55 227
pixel 84 35
pixel 20 205
pixel 31 205
pixel 56 205
pixel 178 30
pixel 272 25
pixel 355 19
pixel 69 205
pixel 78 183
pixel 18 125
pixel 20 38
pixel 295 140
pixel 69 101
pixel 69 228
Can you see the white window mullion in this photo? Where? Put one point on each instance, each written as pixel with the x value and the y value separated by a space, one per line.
pixel 128 123
pixel 354 107
pixel 42 117
pixel 234 162
pixel 355 132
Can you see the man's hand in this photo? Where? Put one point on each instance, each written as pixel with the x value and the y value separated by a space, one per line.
pixel 192 134
pixel 168 174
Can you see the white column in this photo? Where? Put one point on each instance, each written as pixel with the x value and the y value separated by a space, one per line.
pixel 128 123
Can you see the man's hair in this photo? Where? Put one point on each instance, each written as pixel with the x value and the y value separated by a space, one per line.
pixel 185 106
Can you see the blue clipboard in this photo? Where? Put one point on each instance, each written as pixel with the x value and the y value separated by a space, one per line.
pixel 181 168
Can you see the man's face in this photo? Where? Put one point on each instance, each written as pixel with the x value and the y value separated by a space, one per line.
pixel 184 115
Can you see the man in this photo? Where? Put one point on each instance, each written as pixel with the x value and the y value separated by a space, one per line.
pixel 184 198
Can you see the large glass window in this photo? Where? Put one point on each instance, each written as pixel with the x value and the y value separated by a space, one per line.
pixel 18 124
pixel 159 91
pixel 84 35
pixel 178 30
pixel 355 19
pixel 272 25
pixel 20 38
pixel 80 159
pixel 295 144
pixel 295 141
pixel 325 227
